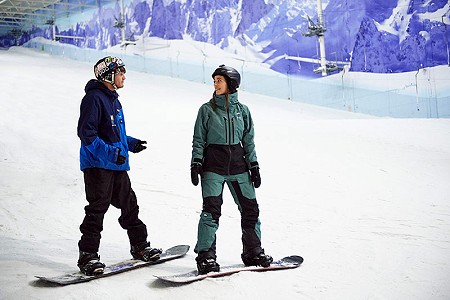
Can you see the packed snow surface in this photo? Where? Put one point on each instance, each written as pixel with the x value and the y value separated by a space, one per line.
pixel 364 200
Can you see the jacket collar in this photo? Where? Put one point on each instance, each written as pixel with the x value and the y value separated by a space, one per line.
pixel 221 99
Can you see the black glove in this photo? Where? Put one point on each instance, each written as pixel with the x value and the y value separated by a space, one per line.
pixel 120 159
pixel 139 146
pixel 255 176
pixel 196 169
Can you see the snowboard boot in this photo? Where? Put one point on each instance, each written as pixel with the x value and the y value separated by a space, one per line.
pixel 260 259
pixel 144 252
pixel 89 264
pixel 206 262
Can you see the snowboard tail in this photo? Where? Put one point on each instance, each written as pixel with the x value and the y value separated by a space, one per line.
pixel 288 262
pixel 124 266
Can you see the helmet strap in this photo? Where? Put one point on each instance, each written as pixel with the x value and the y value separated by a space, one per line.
pixel 114 85
pixel 112 81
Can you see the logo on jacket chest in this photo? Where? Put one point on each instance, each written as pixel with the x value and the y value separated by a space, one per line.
pixel 117 119
pixel 231 116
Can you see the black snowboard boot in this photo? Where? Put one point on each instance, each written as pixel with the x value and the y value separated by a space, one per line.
pixel 89 264
pixel 144 252
pixel 258 259
pixel 206 262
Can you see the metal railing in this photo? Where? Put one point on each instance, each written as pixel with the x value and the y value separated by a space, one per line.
pixel 426 94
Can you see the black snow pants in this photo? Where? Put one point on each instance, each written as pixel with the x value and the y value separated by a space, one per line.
pixel 104 187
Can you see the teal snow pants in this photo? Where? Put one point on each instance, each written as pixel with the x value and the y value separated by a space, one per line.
pixel 244 196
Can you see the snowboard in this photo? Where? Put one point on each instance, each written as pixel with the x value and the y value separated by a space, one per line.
pixel 288 262
pixel 124 266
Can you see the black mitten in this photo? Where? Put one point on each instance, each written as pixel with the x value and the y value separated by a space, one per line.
pixel 196 169
pixel 255 176
pixel 139 146
pixel 120 159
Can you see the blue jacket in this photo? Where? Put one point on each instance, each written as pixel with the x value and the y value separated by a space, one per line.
pixel 101 129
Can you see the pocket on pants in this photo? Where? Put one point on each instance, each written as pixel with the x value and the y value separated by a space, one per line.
pixel 246 186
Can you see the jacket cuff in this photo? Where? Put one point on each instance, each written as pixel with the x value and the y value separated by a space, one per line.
pixel 254 165
pixel 197 161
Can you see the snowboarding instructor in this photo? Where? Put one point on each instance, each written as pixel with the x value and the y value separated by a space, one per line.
pixel 223 151
pixel 104 161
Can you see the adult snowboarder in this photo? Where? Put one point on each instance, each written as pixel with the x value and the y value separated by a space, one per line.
pixel 104 161
pixel 223 151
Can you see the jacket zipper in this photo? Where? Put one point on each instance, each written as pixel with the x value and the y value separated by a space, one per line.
pixel 232 130
pixel 226 129
pixel 229 141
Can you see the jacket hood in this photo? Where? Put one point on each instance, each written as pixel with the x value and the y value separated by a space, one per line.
pixel 95 84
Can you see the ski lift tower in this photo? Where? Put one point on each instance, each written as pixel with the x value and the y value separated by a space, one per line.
pixel 121 25
pixel 319 31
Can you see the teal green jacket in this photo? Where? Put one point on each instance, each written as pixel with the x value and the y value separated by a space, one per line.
pixel 223 140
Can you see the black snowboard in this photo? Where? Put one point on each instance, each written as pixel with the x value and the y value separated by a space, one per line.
pixel 124 266
pixel 288 262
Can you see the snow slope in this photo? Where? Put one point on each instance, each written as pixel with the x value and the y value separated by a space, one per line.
pixel 364 200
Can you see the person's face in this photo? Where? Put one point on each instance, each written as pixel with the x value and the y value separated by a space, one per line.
pixel 119 78
pixel 220 85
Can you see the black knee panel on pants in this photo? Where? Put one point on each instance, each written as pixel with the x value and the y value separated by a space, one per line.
pixel 249 208
pixel 213 205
